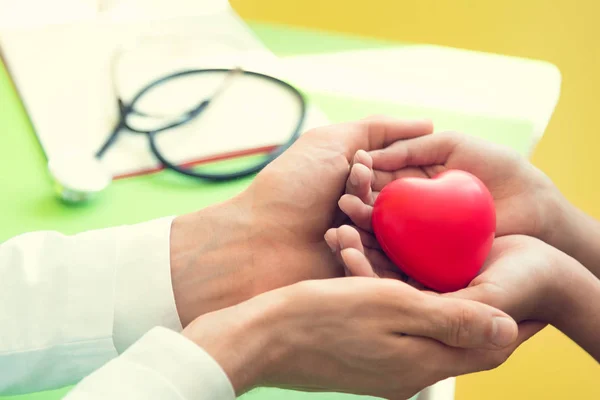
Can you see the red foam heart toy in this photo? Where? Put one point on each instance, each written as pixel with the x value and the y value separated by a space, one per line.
pixel 438 231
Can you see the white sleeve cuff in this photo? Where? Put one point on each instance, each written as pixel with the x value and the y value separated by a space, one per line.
pixel 144 295
pixel 56 308
pixel 163 365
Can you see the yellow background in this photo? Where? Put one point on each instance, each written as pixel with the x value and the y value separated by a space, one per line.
pixel 566 33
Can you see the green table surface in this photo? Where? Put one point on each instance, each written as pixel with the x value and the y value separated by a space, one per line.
pixel 28 203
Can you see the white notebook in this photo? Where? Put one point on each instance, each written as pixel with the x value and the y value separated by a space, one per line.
pixel 63 74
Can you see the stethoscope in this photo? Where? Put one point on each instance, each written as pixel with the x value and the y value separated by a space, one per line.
pixel 79 178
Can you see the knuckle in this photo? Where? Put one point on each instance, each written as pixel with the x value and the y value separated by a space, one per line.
pixel 460 325
pixel 403 152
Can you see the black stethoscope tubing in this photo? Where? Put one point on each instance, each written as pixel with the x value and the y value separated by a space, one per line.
pixel 125 110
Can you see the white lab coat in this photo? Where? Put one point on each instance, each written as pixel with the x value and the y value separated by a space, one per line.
pixel 98 304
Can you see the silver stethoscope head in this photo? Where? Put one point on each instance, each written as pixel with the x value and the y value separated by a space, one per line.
pixel 78 178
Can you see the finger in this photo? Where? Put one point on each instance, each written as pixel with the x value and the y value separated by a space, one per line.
pixel 381 178
pixel 383 131
pixel 334 245
pixel 449 361
pixel 455 322
pixel 368 240
pixel 383 266
pixel 417 152
pixel 348 237
pixel 379 264
pixel 359 183
pixel 481 360
pixel 359 212
pixel 494 296
pixel 362 157
pixel 357 263
pixel 332 240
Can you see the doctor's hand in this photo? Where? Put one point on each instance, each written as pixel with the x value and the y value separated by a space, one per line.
pixel 271 235
pixel 358 335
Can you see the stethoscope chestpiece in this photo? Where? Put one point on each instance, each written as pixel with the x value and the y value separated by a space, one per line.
pixel 78 178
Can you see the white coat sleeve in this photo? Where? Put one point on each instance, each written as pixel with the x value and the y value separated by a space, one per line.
pixel 71 304
pixel 162 365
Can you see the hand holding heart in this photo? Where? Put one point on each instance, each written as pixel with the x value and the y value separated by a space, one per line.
pixel 523 196
pixel 437 231
pixel 516 192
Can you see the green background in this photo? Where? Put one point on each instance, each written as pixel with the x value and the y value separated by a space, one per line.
pixel 28 203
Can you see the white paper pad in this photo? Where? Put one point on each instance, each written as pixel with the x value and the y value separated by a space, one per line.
pixel 63 73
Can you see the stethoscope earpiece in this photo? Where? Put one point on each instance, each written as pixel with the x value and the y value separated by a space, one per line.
pixel 78 178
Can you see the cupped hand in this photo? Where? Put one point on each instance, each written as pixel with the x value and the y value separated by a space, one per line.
pixel 519 276
pixel 367 336
pixel 524 197
pixel 271 235
pixel 522 275
pixel 293 201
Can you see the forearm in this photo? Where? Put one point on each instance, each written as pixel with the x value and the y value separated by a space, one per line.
pixel 578 235
pixel 579 318
pixel 212 259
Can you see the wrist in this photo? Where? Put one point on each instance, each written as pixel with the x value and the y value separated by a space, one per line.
pixel 568 292
pixel 242 339
pixel 211 259
pixel 580 317
pixel 566 226
pixel 556 212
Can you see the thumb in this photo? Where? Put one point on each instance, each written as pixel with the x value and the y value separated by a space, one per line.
pixel 455 322
pixel 416 152
pixel 495 296
pixel 471 324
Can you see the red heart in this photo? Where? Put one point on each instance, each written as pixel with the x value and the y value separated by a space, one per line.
pixel 438 231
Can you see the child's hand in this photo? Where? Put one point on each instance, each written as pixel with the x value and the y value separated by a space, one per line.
pixel 527 203
pixel 513 186
pixel 518 276
pixel 522 275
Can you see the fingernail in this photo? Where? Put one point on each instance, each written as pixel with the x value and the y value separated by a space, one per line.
pixel 353 178
pixel 503 331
